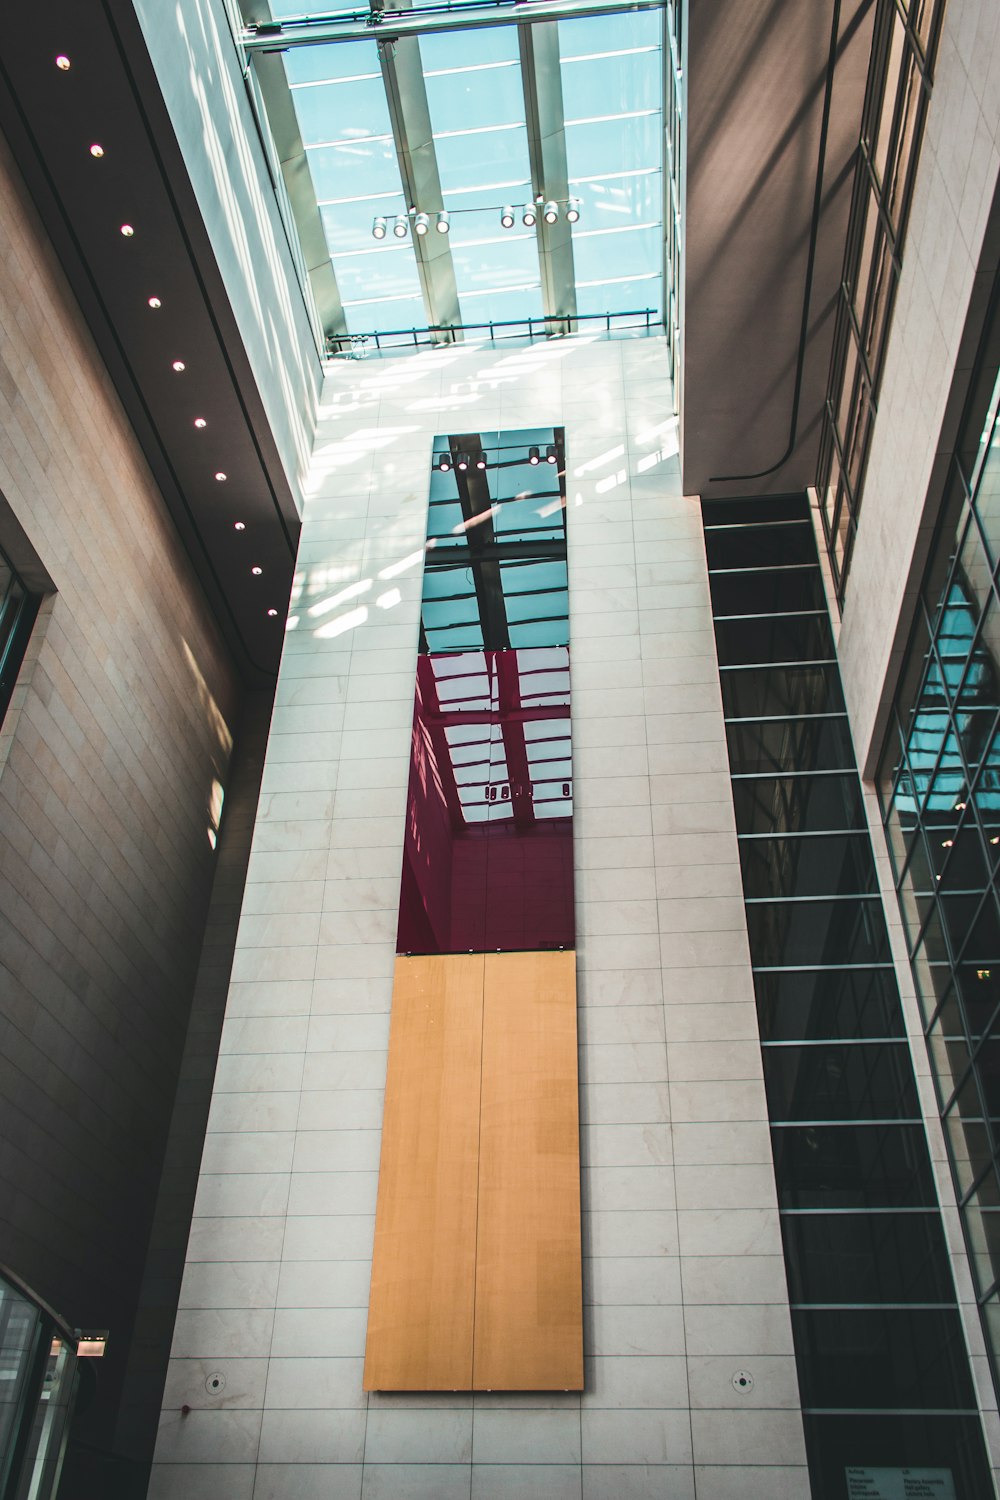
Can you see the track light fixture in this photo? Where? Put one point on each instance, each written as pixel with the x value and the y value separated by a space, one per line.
pixel 548 209
pixel 551 456
pixel 534 456
pixel 481 461
pixel 443 462
pixel 461 462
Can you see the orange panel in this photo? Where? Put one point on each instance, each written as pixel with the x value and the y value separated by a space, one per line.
pixel 421 1308
pixel 529 1313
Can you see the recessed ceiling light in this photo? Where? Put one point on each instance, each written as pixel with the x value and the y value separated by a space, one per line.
pixel 239 526
pixel 154 302
pixel 200 422
pixel 127 231
pixel 63 63
pixel 178 365
pixel 272 612
pixel 256 571
pixel 97 150
pixel 221 477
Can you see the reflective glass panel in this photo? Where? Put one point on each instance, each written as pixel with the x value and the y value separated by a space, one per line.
pixel 866 1257
pixel 852 1357
pixel 837 1081
pixel 858 1166
pixel 814 1003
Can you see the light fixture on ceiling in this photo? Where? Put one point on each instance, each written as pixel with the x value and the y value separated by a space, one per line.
pixel 256 571
pixel 421 223
pixel 221 477
pixel 530 216
pixel 551 456
pixel 97 151
pixel 443 221
pixel 443 462
pixel 128 231
pixel 461 462
pixel 378 227
pixel 178 365
pixel 239 526
pixel 534 456
pixel 63 63
pixel 200 422
pixel 481 461
pixel 550 213
pixel 572 210
pixel 507 216
pixel 399 228
pixel 154 303
pixel 272 612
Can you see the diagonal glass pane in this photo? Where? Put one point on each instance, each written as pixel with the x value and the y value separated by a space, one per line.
pixel 612 103
pixel 343 118
pixel 476 104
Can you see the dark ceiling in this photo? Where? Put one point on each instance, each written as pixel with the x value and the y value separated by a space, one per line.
pixel 110 96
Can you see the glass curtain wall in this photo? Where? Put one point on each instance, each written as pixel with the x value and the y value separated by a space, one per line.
pixel 939 784
pixel 904 46
pixel 673 166
pixel 38 1376
pixel 18 609
pixel 883 1369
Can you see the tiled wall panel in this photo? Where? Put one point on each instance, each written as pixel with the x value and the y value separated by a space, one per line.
pixel 683 1275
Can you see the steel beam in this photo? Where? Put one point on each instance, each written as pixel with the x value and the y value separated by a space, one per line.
pixel 272 90
pixel 403 76
pixel 357 25
pixel 541 77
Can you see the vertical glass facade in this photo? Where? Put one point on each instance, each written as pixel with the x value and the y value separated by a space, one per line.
pixel 904 45
pixel 883 1369
pixel 939 785
pixel 673 166
pixel 18 609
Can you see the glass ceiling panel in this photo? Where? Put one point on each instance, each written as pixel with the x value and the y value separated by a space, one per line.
pixel 612 103
pixel 476 103
pixel 343 118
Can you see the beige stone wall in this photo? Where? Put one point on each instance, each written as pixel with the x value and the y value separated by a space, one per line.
pixel 945 263
pixel 684 1281
pixel 116 735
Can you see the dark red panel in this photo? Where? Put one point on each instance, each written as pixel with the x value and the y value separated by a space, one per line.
pixel 488 857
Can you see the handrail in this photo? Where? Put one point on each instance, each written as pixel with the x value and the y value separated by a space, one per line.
pixel 352 345
pixel 19 1285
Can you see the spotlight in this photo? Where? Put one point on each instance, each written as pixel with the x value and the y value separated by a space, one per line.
pixel 550 212
pixel 507 217
pixel 399 228
pixel 551 456
pixel 443 462
pixel 421 224
pixel 239 526
pixel 443 221
pixel 461 462
pixel 378 227
pixel 530 216
pixel 221 477
pixel 272 613
pixel 178 365
pixel 573 211
pixel 256 571
pixel 63 63
pixel 200 422
pixel 128 231
pixel 154 303
pixel 534 457
pixel 481 461
pixel 97 151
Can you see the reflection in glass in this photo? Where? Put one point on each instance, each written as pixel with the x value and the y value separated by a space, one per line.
pixel 866 1258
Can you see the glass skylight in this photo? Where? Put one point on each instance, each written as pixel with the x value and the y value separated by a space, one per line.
pixel 612 108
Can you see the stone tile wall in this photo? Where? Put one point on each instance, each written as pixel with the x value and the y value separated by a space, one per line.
pixel 684 1280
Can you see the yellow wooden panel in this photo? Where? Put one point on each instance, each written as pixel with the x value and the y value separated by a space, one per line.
pixel 421 1308
pixel 529 1313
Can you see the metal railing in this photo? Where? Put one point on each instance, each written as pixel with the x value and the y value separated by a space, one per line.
pixel 357 345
